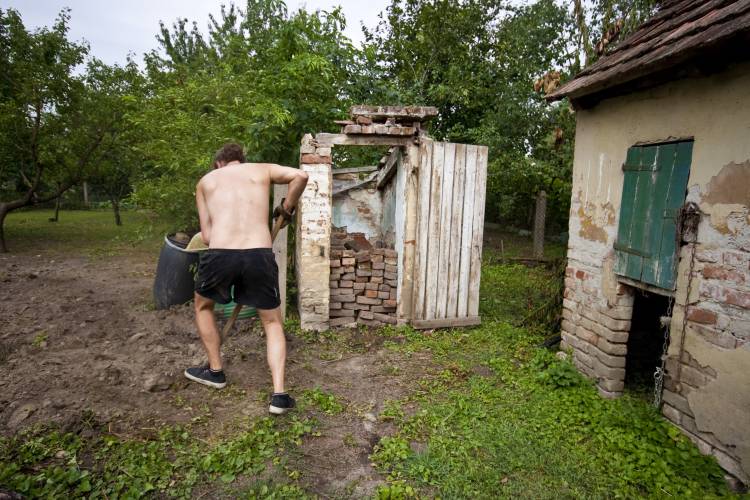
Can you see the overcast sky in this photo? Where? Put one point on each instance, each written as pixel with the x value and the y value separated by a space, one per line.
pixel 115 28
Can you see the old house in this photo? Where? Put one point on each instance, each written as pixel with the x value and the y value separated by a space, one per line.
pixel 393 243
pixel 659 249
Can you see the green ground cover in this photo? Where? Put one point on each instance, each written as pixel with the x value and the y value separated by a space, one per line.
pixel 497 417
pixel 91 232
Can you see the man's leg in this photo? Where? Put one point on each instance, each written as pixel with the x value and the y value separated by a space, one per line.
pixel 208 331
pixel 275 345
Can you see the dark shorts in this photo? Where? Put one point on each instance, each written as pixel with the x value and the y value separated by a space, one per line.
pixel 253 273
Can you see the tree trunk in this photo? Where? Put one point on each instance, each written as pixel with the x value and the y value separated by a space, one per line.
pixel 116 209
pixel 85 194
pixel 3 213
pixel 57 210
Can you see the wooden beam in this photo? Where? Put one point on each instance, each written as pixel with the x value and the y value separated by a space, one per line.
pixel 354 170
pixel 358 185
pixel 389 170
pixel 424 324
pixel 325 139
pixel 280 248
pixel 416 113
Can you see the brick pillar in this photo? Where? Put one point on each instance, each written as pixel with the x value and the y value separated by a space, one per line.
pixel 313 237
pixel 595 330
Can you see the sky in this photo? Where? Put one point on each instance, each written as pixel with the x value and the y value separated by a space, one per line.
pixel 116 28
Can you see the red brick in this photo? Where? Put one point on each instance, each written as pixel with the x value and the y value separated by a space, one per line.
pixel 378 265
pixel 335 263
pixel 343 321
pixel 373 294
pixel 346 284
pixel 390 276
pixel 376 279
pixel 359 286
pixel 377 272
pixel 389 303
pixel 365 315
pixel 580 275
pixel 312 159
pixel 376 257
pixel 739 299
pixel 369 301
pixel 384 288
pixel 569 272
pixel 362 279
pixel 700 315
pixel 384 295
pixel 382 309
pixel 336 313
pixel 348 261
pixel 391 269
pixel 385 318
pixel 716 272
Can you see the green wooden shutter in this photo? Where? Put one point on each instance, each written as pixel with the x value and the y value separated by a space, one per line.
pixel 652 193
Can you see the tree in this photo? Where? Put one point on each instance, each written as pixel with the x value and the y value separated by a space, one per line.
pixel 117 92
pixel 51 126
pixel 477 61
pixel 262 78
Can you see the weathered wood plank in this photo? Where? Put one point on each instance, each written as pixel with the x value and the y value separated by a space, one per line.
pixel 446 210
pixel 326 139
pixel 433 248
pixel 423 215
pixel 423 324
pixel 280 248
pixel 467 226
pixel 454 257
pixel 389 169
pixel 417 113
pixel 477 231
pixel 354 170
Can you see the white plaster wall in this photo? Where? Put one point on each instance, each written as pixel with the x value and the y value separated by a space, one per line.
pixel 712 395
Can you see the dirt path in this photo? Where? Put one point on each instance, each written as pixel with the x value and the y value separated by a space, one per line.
pixel 79 340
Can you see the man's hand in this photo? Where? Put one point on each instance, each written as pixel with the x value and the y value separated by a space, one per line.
pixel 281 211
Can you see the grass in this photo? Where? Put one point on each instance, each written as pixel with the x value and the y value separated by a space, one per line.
pixel 497 417
pixel 92 232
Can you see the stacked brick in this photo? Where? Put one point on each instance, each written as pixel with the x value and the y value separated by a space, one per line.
pixel 363 287
pixel 596 330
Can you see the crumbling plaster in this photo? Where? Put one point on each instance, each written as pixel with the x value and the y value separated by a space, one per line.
pixel 714 111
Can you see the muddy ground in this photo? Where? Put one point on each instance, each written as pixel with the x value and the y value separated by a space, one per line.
pixel 79 340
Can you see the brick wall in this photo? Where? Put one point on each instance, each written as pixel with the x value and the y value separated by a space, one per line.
pixel 596 329
pixel 363 282
pixel 313 236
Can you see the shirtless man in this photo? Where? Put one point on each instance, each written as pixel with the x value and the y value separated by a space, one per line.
pixel 233 210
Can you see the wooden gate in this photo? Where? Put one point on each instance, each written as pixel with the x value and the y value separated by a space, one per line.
pixel 450 223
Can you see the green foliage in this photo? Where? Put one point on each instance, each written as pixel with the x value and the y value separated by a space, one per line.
pixel 555 372
pixel 477 61
pixel 323 401
pixel 263 79
pixel 172 462
pixel 88 231
pixel 530 425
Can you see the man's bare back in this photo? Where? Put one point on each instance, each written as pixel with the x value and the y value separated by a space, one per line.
pixel 233 203
pixel 239 264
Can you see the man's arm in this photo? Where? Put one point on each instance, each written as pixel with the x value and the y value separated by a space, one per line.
pixel 297 180
pixel 205 220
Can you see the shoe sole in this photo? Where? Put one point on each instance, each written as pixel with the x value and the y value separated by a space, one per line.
pixel 277 410
pixel 216 385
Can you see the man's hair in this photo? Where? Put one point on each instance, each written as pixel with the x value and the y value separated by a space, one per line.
pixel 230 151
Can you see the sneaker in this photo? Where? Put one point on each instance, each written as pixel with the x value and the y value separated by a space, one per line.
pixel 204 375
pixel 281 403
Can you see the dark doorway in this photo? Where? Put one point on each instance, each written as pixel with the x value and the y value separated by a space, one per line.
pixel 646 341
